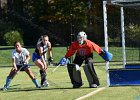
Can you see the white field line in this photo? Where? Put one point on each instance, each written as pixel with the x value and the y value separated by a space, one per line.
pixel 91 93
pixel 56 68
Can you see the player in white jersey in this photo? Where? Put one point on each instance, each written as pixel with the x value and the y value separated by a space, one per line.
pixel 39 57
pixel 20 59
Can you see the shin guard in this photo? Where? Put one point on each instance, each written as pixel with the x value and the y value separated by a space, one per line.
pixel 91 74
pixel 43 76
pixel 75 74
pixel 8 81
pixel 35 81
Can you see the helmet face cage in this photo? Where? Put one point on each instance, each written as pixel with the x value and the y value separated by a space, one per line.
pixel 81 37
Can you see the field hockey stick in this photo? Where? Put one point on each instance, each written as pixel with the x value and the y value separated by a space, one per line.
pixel 63 61
pixel 56 68
pixel 19 69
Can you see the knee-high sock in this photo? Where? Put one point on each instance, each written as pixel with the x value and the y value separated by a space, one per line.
pixel 35 81
pixel 8 81
pixel 43 76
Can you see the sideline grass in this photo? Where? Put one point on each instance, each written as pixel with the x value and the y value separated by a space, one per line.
pixel 59 52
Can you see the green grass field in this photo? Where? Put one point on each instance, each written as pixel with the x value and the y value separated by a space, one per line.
pixel 60 87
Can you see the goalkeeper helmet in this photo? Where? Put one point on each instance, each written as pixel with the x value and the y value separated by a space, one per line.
pixel 81 37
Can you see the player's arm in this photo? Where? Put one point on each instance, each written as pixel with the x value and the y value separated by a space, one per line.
pixel 27 58
pixel 96 48
pixel 14 64
pixel 27 54
pixel 49 52
pixel 71 51
pixel 107 56
pixel 14 61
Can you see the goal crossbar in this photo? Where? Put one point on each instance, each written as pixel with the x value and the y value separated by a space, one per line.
pixel 124 2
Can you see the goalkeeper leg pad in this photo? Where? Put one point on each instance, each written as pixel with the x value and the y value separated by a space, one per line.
pixel 91 74
pixel 75 75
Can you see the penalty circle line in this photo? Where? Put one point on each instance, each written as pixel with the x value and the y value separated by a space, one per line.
pixel 91 93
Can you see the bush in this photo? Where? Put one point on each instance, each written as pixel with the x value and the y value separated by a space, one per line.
pixel 11 37
pixel 133 33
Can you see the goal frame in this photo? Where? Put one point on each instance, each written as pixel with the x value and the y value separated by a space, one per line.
pixel 121 4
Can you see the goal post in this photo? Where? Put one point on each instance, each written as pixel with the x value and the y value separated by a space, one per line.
pixel 106 38
pixel 121 4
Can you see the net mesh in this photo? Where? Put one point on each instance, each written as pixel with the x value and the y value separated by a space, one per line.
pixel 132 33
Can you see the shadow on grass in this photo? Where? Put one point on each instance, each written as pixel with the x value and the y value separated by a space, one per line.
pixel 39 89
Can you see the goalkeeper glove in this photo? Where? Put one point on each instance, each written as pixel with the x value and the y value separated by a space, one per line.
pixel 64 61
pixel 107 56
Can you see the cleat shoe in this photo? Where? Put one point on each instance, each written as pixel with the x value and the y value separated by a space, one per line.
pixel 45 84
pixel 4 88
pixel 38 87
pixel 77 85
pixel 93 86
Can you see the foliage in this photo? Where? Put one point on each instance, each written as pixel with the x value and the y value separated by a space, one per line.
pixel 6 26
pixel 133 33
pixel 64 18
pixel 12 36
